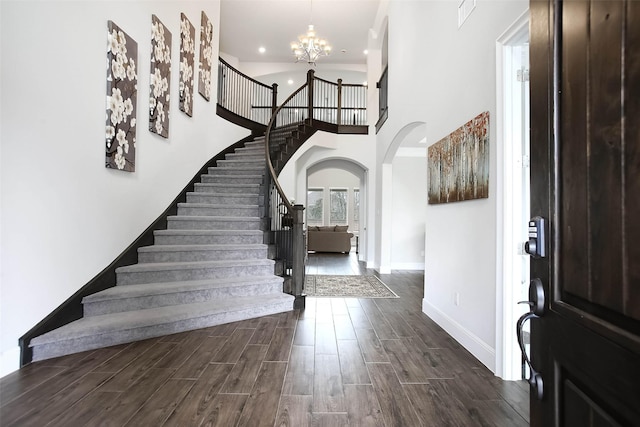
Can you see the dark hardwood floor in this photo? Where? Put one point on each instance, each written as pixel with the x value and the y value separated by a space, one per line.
pixel 339 362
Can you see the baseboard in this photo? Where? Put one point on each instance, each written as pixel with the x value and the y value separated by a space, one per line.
pixel 477 347
pixel 9 361
pixel 407 266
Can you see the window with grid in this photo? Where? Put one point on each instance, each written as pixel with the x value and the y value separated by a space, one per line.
pixel 338 206
pixel 315 206
pixel 356 210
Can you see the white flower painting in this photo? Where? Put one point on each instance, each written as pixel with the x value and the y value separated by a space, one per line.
pixel 122 92
pixel 187 57
pixel 160 79
pixel 206 37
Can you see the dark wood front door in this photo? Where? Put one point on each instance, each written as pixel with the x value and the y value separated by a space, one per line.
pixel 585 181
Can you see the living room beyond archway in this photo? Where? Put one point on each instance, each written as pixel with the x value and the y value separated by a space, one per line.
pixel 335 197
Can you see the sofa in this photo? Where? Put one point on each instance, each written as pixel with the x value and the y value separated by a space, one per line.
pixel 331 238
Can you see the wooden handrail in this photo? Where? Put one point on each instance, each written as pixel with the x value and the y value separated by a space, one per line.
pixel 270 127
pixel 251 79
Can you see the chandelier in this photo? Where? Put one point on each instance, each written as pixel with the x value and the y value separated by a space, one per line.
pixel 309 47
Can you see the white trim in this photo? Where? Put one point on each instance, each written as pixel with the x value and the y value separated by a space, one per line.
pixel 386 217
pixel 478 348
pixel 506 363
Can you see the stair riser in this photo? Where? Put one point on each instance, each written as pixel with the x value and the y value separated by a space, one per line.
pixel 225 189
pixel 205 255
pixel 218 211
pixel 121 305
pixel 207 240
pixel 61 348
pixel 196 273
pixel 217 171
pixel 257 151
pixel 195 224
pixel 246 156
pixel 220 199
pixel 254 164
pixel 230 179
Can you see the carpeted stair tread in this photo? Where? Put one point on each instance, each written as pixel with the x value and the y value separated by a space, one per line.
pixel 246 175
pixel 218 179
pixel 208 205
pixel 212 185
pixel 97 325
pixel 131 291
pixel 212 218
pixel 164 266
pixel 200 237
pixel 227 196
pixel 209 232
pixel 196 248
pixel 249 169
pixel 236 171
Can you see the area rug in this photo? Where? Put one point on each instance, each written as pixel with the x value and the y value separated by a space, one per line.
pixel 346 286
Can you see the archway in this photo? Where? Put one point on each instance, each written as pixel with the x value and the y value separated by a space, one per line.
pixel 400 217
pixel 334 180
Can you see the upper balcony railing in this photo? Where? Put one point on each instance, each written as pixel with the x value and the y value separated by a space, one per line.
pixel 383 99
pixel 246 98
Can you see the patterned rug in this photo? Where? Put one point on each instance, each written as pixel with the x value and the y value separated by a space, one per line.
pixel 346 286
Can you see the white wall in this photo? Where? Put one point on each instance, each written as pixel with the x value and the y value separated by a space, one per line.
pixel 445 76
pixel 409 183
pixel 64 215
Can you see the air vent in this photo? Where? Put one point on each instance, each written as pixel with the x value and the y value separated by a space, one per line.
pixel 464 10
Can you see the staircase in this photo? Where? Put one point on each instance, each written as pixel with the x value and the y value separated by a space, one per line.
pixel 209 267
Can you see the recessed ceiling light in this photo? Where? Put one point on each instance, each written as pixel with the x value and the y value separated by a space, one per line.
pixel 261 49
pixel 290 81
pixel 366 52
pixel 344 51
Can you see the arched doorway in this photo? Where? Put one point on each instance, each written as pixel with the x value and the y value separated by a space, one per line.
pixel 336 192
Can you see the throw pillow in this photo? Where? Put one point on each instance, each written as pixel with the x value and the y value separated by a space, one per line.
pixel 342 228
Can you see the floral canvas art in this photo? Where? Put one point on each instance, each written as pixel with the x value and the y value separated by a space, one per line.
pixel 459 163
pixel 187 57
pixel 122 92
pixel 204 76
pixel 160 78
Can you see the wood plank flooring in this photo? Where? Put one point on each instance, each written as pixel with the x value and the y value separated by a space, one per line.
pixel 339 362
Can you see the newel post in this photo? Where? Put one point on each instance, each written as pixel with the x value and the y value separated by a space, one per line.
pixel 274 98
pixel 339 118
pixel 299 254
pixel 310 77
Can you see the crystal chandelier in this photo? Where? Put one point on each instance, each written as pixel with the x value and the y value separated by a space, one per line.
pixel 309 47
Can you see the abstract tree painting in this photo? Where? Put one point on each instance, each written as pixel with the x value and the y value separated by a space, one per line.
pixel 122 92
pixel 187 57
pixel 160 78
pixel 459 163
pixel 204 76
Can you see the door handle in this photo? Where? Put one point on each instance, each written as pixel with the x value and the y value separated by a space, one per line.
pixel 536 304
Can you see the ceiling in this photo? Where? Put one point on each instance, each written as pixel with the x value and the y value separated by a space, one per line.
pixel 246 25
